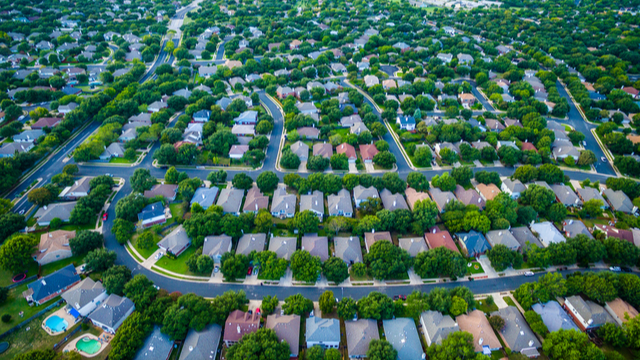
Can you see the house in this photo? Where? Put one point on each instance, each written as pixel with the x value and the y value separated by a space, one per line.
pixel 517 334
pixel 465 59
pixel 547 232
pixel 10 149
pixel 201 116
pixel 28 136
pixel 361 193
pixel 371 80
pixel 414 196
pixel 348 150
pixel 116 149
pixel 152 214
pixel 295 44
pixel 572 228
pixel 322 332
pixel 238 324
pixel 307 108
pixel 436 238
pixel 52 285
pixel 251 242
pixel 589 193
pixel 349 121
pixel 406 122
pixel 201 344
pixel 283 205
pixel 444 57
pixel 488 191
pixel 554 316
pixel 301 149
pixel 502 237
pixel 42 123
pixel 112 313
pixel 631 91
pixel 85 297
pixel 323 149
pixel 403 336
pixel 512 187
pixel 441 198
pixel 168 191
pixel 371 238
pixel 230 200
pixel 391 201
pixel 562 149
pixel 340 204
pixel 359 334
pixel 619 201
pixel 49 212
pixel 620 311
pixel 206 197
pixel 80 188
pixel 249 117
pixel 285 91
pixel 348 249
pixel 308 132
pixel 389 84
pixel 53 246
pixel 316 246
pixel 243 130
pixel 255 200
pixel 413 246
pixel 586 314
pixel 156 106
pixel 566 196
pixel 469 197
pixel 477 324
pixel 284 247
pixel 313 202
pixel 216 246
pixel 467 100
pixel 403 47
pixel 128 135
pixel 65 109
pixel 436 327
pixel 474 243
pixel 287 329
pixel 176 242
pixel 368 152
pixel 525 237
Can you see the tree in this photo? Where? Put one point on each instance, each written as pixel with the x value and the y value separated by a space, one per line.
pixel 115 278
pixel 141 180
pixel 297 304
pixel 526 215
pixel 440 261
pixel 305 267
pixel 339 162
pixel 234 266
pixel 269 304
pixel 271 267
pixel 423 156
pixel 189 312
pixel 387 261
pixel 99 259
pixel 335 269
pixel 85 241
pixel 123 230
pixel 384 159
pixel 141 291
pixel 130 337
pixel 496 322
pixel 41 196
pixel 16 253
pixel 347 308
pixel 539 197
pixel 462 175
pixel 586 158
pixel 557 212
pixel 613 335
pixel 570 344
pixel 289 160
pixel 486 177
pixel 10 223
pixel 457 345
pixel 306 222
pixel 588 249
pixel 242 181
pixel 327 302
pixel 509 156
pixel 263 343
pixel 535 322
pixel 620 252
pixel 444 182
pixel 458 306
pixel 381 350
pixel 315 352
pixel 526 173
pixel 375 306
pixel 417 181
pixel 592 208
pixel 267 181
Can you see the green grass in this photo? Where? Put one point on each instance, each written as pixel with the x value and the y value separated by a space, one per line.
pixel 89 226
pixel 145 253
pixel 484 307
pixel 5 276
pixel 176 212
pixel 508 300
pixel 57 265
pixel 471 270
pixel 117 160
pixel 178 265
pixel 359 278
pixel 16 303
pixel 138 259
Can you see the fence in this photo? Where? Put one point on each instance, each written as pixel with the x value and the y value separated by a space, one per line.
pixel 66 338
pixel 40 313
pixel 32 277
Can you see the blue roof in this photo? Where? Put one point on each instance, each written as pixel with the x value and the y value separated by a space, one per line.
pixel 475 242
pixel 554 316
pixel 53 283
pixel 151 211
pixel 406 120
pixel 205 196
pixel 202 113
pixel 596 96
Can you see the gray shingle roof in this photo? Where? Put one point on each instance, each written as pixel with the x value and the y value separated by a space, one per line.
pixel 441 198
pixel 61 211
pixel 403 336
pixel 340 202
pixel 287 328
pixel 112 310
pixel 515 186
pixel 565 195
pixel 230 199
pixel 619 200
pixel 325 330
pixel 548 233
pixel 554 316
pixel 216 245
pixel 28 135
pixel 316 246
pixel 205 196
pixel 393 202
pixel 362 193
pixel 590 193
pixel 83 293
pixel 156 346
pixel 359 335
pixel 250 242
pixel 283 201
pixel 523 235
pixel 313 202
pixel 503 237
pixel 201 344
pixel 516 333
pixel 438 326
pixel 283 246
pixel 348 249
pixel 175 241
pixel 589 310
pixel 413 245
pixel 575 227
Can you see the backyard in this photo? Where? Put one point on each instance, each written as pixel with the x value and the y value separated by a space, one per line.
pixel 15 304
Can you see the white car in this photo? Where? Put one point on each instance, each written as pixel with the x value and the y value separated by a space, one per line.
pixel 615 269
pixel 604 159
pixel 529 273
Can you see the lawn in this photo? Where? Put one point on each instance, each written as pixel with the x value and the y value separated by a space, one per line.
pixel 178 265
pixel 359 278
pixel 145 253
pixel 57 265
pixel 508 300
pixel 89 226
pixel 117 160
pixel 485 308
pixel 176 212
pixel 5 276
pixel 471 270
pixel 16 303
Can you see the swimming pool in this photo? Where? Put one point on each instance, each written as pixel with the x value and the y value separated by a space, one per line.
pixel 88 345
pixel 56 323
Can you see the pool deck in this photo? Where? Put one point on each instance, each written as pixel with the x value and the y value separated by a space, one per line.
pixel 104 341
pixel 62 313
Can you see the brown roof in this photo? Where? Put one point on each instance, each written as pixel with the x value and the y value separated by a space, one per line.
pixel 368 151
pixel 255 200
pixel 46 122
pixel 488 191
pixel 616 233
pixel 371 238
pixel 466 96
pixel 476 324
pixel 308 131
pixel 630 90
pixel 634 138
pixel 53 241
pixel 528 146
pixel 346 149
pixel 323 149
pixel 239 323
pixel 287 328
pixel 469 197
pixel 413 196
pixel 436 238
pixel 166 190
pixel 621 308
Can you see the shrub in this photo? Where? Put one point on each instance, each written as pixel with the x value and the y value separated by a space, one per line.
pixel 6 318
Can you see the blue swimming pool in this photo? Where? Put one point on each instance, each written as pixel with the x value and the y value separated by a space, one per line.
pixel 56 323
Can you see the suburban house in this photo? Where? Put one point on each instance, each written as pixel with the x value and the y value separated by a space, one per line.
pixel 49 212
pixel 285 91
pixel 620 310
pixel 436 238
pixel 619 201
pixel 348 249
pixel 251 242
pixel 403 336
pixel 156 106
pixel 284 247
pixel 230 200
pixel 54 246
pixel 80 188
pixel 323 149
pixel 348 150
pixel 414 196
pixel 502 237
pixel 547 233
pixel 45 122
pixel 176 242
pixel 572 228
pixel 112 313
pixel 467 100
pixel 313 202
pixel 11 149
pixel 340 204
pixel 393 202
pixel 201 344
pixel 237 151
pixel 249 117
pixel 586 314
pixel 283 205
pixel 201 116
pixel 28 136
pixel 307 108
pixel 371 80
pixel 436 327
pixel 477 324
pixel 361 193
pixel 525 237
pixel 316 246
pixel 168 191
pixel 512 187
pixel 632 236
pixel 413 246
pixel 441 198
pixel 554 316
pixel 52 285
pixel 589 193
pixel 152 214
pixel 469 197
pixel 368 152
pixel 309 132
pixel 287 328
pixel 116 150
pixel 216 246
pixel 372 237
pixel 85 297
pixel 517 334
pixel 474 243
pixel 301 150
pixel 566 196
pixel 488 192
pixel 255 200
pixel 322 332
pixel 206 197
pixel 406 122
pixel 238 324
pixel 359 334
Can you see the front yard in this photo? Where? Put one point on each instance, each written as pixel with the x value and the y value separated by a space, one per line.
pixel 178 265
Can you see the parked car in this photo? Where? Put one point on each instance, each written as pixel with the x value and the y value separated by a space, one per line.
pixel 104 217
pixel 625 269
pixel 604 159
pixel 615 269
pixel 528 273
pixel 250 270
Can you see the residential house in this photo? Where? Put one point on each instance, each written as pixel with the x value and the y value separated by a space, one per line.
pixel 28 136
pixel 619 201
pixel 10 149
pixel 313 202
pixel 251 242
pixel 206 197
pixel 517 334
pixel 323 149
pixel 474 243
pixel 348 249
pixel 201 344
pixel 49 212
pixel 488 192
pixel 566 196
pixel 444 57
pixel 465 59
pixel 80 188
pixel 116 150
pixel 156 106
pixel 284 91
pixel 441 198
pixel 368 152
pixel 54 246
pixel 243 130
pixel 176 242
pixel 389 84
pixel 436 238
pixel 52 285
pixel 620 311
pixel 249 117
pixel 255 200
pixel 371 238
pixel 622 234
pixel 230 200
pixel 45 122
pixel 168 191
pixel 436 327
pixel 586 314
pixel 512 187
pixel 469 197
pixel 589 193
pixel 340 204
pixel 307 108
pixel 371 80
pixel 359 334
pixel 477 324
pixel 238 324
pixel 216 246
pixel 525 237
pixel 287 329
pixel 414 196
pixel 301 149
pixel 201 116
pixel 284 247
pixel 349 121
pixel 84 297
pixel 403 336
pixel 207 71
pixel 349 151
pixel 391 201
pixel 413 246
pixel 316 246
pixel 467 100
pixel 406 122
pixel 547 232
pixel 283 205
pixel 502 237
pixel 308 132
pixel 554 316
pixel 322 332
pixel 112 313
pixel 572 228
pixel 361 193
pixel 152 214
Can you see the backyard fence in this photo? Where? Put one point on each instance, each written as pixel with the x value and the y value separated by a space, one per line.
pixel 32 277
pixel 40 313
pixel 66 338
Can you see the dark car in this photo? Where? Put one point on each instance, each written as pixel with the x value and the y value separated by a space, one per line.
pixel 395 297
pixel 250 270
pixel 625 269
pixel 403 297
